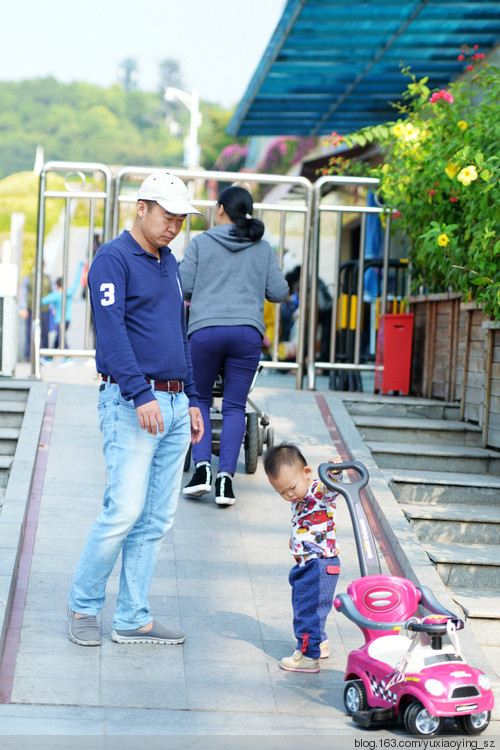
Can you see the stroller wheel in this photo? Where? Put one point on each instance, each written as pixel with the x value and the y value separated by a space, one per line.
pixel 269 437
pixel 261 433
pixel 252 443
pixel 355 697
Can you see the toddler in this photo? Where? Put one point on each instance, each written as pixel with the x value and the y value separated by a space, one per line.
pixel 314 577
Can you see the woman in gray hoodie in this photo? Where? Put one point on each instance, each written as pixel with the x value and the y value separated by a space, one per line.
pixel 227 273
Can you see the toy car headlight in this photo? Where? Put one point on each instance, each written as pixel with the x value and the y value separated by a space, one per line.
pixel 483 682
pixel 434 687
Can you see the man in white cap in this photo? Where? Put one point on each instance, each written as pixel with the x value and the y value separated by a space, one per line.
pixel 148 414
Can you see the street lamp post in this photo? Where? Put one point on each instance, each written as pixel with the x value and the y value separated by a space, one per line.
pixel 191 101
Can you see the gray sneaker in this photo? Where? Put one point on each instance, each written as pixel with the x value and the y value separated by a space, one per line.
pixel 83 630
pixel 157 634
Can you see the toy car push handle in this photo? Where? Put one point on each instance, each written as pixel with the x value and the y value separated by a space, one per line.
pixel 429 601
pixel 365 544
pixel 433 625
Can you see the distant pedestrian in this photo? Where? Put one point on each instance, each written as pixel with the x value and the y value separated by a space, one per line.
pixel 313 544
pixel 148 413
pixel 227 273
pixel 54 299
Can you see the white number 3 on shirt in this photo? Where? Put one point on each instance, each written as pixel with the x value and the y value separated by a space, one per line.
pixel 108 296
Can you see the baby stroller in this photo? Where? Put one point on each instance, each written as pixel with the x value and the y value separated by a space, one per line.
pixel 257 430
pixel 410 668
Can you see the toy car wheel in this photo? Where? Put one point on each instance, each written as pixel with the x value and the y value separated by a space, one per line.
pixel 187 460
pixel 355 697
pixel 420 722
pixel 252 443
pixel 474 723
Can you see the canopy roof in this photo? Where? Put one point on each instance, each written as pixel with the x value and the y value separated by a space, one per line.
pixel 334 65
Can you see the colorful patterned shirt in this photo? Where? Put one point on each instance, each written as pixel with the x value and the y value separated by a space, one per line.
pixel 314 524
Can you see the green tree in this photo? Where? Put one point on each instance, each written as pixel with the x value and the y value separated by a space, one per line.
pixel 213 137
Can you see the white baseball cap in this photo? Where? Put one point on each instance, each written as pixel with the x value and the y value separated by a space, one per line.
pixel 169 191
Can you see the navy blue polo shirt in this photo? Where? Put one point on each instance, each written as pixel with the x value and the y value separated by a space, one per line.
pixel 138 308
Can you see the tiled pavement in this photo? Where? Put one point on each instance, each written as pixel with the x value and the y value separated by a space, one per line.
pixel 221 577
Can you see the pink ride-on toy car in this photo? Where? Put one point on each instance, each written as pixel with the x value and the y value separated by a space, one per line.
pixel 410 667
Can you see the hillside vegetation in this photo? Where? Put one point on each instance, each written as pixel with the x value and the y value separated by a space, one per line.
pixel 83 122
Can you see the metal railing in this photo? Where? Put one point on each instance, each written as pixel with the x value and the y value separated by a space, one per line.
pixel 74 190
pixel 92 182
pixel 340 210
pixel 119 190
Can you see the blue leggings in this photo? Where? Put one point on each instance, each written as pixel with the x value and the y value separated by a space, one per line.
pixel 238 348
pixel 313 588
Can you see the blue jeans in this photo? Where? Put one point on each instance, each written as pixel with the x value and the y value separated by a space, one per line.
pixel 238 348
pixel 313 590
pixel 144 475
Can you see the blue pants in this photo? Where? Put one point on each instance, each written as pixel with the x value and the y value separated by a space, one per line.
pixel 313 589
pixel 238 348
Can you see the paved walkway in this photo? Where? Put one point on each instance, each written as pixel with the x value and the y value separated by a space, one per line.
pixel 221 577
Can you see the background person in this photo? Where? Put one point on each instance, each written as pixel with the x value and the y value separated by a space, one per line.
pixel 227 273
pixel 147 412
pixel 54 299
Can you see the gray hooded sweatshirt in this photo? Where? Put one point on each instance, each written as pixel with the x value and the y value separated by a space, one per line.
pixel 227 279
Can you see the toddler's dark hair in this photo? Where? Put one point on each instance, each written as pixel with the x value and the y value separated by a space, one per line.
pixel 284 454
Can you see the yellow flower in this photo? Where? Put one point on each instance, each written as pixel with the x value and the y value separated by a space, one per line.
pixel 399 130
pixel 451 169
pixel 443 240
pixel 462 125
pixel 467 174
pixel 411 132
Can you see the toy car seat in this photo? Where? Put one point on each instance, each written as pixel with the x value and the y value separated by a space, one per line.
pixel 383 599
pixel 383 605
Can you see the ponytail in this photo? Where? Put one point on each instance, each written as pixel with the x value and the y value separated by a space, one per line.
pixel 238 204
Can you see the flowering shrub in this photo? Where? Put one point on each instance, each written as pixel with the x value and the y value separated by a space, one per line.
pixel 231 158
pixel 283 152
pixel 441 174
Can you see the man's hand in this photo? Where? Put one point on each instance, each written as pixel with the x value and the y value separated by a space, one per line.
pixel 150 418
pixel 197 427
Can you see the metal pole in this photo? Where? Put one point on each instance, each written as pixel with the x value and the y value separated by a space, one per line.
pixel 277 307
pixel 37 282
pixel 67 224
pixel 385 272
pixel 312 308
pixel 360 290
pixel 90 255
pixel 336 290
pixel 193 130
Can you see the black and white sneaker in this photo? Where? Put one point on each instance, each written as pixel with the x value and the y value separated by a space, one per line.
pixel 201 481
pixel 224 494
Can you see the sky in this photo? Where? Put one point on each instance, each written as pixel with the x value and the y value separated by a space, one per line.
pixel 218 43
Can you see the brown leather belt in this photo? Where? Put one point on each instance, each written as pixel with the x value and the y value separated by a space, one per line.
pixel 171 386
